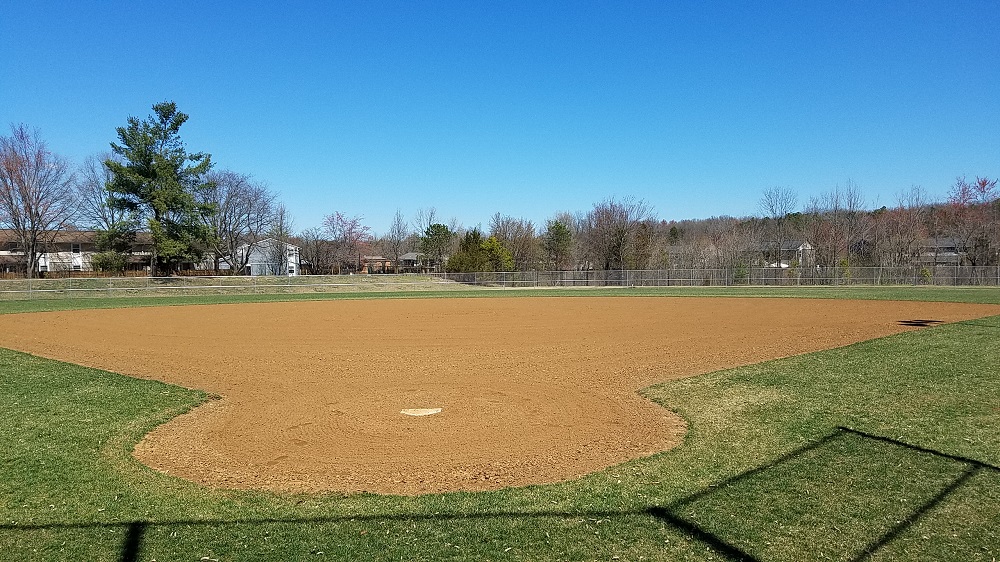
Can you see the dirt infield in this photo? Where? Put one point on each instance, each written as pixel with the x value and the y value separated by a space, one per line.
pixel 531 390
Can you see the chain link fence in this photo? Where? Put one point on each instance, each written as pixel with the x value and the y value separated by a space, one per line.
pixel 97 287
pixel 21 289
pixel 739 276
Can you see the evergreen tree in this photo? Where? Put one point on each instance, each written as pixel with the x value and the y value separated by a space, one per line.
pixel 157 181
pixel 435 242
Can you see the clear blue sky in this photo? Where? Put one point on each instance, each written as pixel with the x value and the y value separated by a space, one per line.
pixel 526 108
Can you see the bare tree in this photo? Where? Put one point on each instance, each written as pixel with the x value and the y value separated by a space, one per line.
pixel 424 218
pixel 277 253
pixel 643 245
pixel 898 231
pixel 968 214
pixel 94 209
pixel 838 225
pixel 394 241
pixel 350 237
pixel 609 231
pixel 736 242
pixel 518 236
pixel 245 214
pixel 115 226
pixel 775 205
pixel 37 198
pixel 318 251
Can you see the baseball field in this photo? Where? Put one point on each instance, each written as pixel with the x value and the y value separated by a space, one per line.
pixel 589 425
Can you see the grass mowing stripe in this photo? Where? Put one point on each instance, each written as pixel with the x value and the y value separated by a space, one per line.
pixel 75 493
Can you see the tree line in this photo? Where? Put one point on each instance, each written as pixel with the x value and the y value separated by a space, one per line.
pixel 190 212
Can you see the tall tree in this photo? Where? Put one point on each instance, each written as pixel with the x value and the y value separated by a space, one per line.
pixel 436 242
pixel 498 257
pixel 476 253
pixel 95 210
pixel 424 218
pixel 158 181
pixel 350 238
pixel 394 241
pixel 36 192
pixel 278 254
pixel 518 236
pixel 968 214
pixel 899 230
pixel 837 224
pixel 471 257
pixel 245 213
pixel 776 204
pixel 558 244
pixel 609 231
pixel 115 227
pixel 317 251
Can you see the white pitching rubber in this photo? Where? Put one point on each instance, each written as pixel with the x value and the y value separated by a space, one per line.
pixel 420 411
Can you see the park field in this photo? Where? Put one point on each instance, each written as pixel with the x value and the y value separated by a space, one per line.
pixel 635 424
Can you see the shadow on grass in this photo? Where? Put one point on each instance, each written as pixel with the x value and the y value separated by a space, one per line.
pixel 918 323
pixel 726 497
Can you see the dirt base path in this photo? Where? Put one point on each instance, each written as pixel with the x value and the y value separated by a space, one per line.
pixel 531 390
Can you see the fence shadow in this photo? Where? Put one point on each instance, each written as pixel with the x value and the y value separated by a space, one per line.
pixel 671 515
pixel 919 323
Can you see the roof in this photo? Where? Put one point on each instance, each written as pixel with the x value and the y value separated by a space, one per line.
pixel 60 237
pixel 941 242
pixel 795 245
pixel 73 236
pixel 268 242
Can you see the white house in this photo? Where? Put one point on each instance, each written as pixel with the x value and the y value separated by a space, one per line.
pixel 269 257
pixel 795 252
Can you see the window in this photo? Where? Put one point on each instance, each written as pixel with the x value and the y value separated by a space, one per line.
pixel 76 248
pixel 76 268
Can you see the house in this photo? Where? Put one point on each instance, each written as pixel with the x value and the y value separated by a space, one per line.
pixel 413 262
pixel 794 253
pixel 376 264
pixel 269 257
pixel 940 251
pixel 12 258
pixel 67 251
pixel 798 252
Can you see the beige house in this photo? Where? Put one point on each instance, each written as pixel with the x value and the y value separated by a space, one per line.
pixel 66 251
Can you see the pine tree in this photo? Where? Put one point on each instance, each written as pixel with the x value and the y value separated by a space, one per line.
pixel 157 180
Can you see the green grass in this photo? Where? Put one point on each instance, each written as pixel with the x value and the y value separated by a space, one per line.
pixel 763 474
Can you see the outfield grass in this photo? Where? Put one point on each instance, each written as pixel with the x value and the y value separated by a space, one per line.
pixel 765 473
